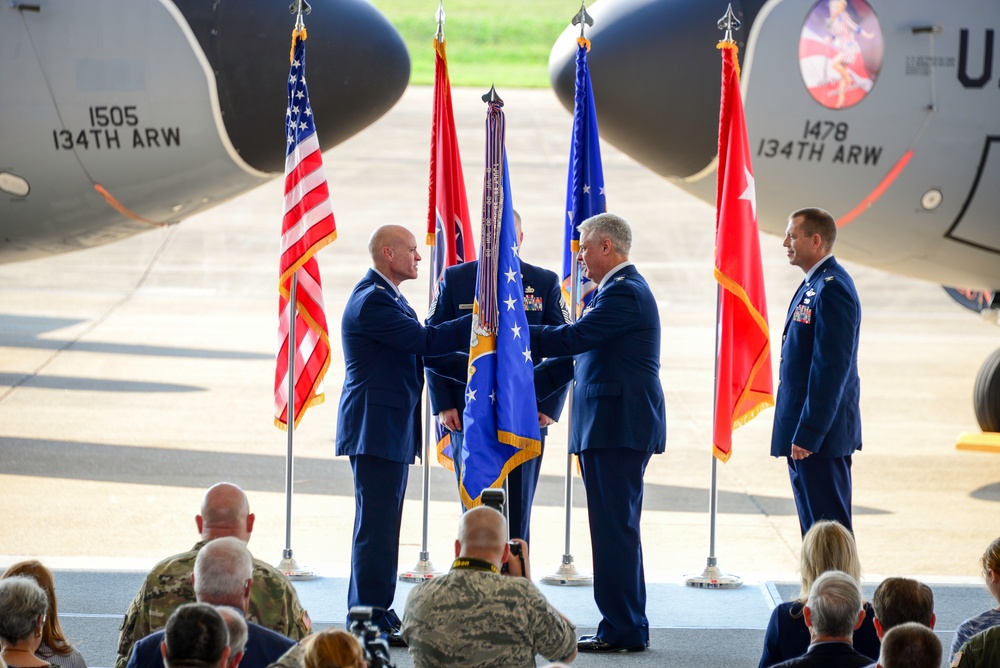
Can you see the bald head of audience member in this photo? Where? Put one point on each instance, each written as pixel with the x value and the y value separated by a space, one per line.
pixel 195 637
pixel 393 250
pixel 236 625
pixel 834 609
pixel 900 600
pixel 223 573
pixel 225 511
pixel 910 645
pixel 482 534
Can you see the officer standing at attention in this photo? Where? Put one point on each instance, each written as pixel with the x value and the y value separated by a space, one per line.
pixel 817 416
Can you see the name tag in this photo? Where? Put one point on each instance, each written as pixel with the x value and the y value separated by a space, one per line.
pixel 465 307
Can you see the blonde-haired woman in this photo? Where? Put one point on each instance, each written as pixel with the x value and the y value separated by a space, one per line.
pixel 827 546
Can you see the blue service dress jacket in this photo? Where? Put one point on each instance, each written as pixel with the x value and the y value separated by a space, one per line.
pixel 817 405
pixel 543 305
pixel 383 343
pixel 617 396
pixel 263 648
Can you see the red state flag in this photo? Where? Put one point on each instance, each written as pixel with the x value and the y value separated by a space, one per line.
pixel 449 227
pixel 743 385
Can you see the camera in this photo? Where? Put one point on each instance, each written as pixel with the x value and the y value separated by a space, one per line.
pixel 495 498
pixel 361 627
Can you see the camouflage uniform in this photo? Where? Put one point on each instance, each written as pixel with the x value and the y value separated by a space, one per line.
pixel 273 601
pixel 476 617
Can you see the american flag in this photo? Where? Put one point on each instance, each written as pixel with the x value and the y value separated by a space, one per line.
pixel 306 227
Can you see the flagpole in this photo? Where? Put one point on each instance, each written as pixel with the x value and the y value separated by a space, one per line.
pixel 712 577
pixel 424 570
pixel 567 573
pixel 288 565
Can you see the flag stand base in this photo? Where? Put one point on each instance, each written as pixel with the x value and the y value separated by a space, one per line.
pixel 292 569
pixel 423 571
pixel 567 575
pixel 713 578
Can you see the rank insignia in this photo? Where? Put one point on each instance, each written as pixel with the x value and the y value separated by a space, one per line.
pixel 619 279
pixel 829 278
pixel 802 314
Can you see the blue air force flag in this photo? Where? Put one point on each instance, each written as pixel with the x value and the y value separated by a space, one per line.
pixel 501 414
pixel 585 184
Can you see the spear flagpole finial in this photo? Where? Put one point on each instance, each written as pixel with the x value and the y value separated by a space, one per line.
pixel 439 36
pixel 299 7
pixel 492 96
pixel 729 23
pixel 583 19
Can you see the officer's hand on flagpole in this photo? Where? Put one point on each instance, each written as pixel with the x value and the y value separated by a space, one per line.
pixel 450 419
pixel 544 420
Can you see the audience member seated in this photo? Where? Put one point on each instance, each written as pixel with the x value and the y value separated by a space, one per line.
pixel 236 625
pixel 332 648
pixel 826 546
pixel 475 615
pixel 980 651
pixel 22 617
pixel 274 603
pixel 910 645
pixel 54 648
pixel 223 573
pixel 832 613
pixel 901 600
pixel 990 562
pixel 195 637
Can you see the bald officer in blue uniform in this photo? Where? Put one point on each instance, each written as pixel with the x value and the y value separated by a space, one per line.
pixel 378 424
pixel 543 305
pixel 817 417
pixel 618 421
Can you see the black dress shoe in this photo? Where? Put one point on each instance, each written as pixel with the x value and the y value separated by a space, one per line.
pixel 595 644
pixel 395 638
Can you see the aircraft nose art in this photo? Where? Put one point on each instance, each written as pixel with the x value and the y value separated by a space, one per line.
pixel 655 72
pixel 357 67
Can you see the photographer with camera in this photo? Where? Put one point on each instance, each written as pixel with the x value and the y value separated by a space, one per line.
pixel 478 616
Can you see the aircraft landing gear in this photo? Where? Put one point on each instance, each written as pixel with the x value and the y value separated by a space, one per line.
pixel 986 394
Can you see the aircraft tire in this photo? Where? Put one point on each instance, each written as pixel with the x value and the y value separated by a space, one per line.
pixel 986 394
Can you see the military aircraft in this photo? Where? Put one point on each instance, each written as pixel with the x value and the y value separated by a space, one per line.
pixel 119 115
pixel 884 112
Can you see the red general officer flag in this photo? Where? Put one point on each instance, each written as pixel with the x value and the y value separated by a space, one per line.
pixel 307 226
pixel 743 384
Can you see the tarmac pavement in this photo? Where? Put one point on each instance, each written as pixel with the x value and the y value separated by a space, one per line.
pixel 134 375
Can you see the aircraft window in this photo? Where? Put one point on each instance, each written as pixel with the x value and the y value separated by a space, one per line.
pixel 14 184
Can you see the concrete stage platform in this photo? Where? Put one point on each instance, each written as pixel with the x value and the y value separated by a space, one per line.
pixel 135 375
pixel 688 627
